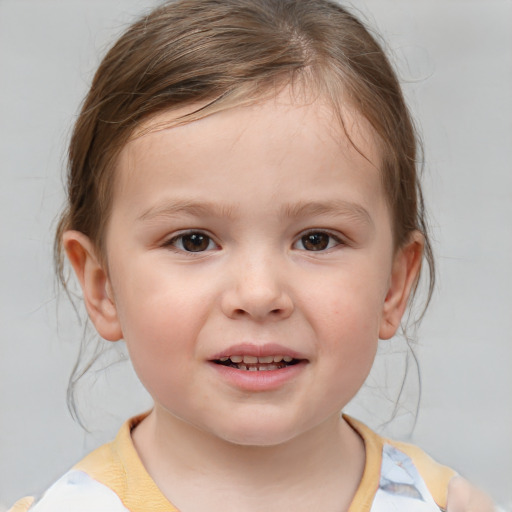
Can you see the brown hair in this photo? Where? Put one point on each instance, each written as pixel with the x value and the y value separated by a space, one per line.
pixel 227 52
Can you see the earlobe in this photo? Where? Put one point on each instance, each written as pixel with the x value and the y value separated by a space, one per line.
pixel 404 275
pixel 95 284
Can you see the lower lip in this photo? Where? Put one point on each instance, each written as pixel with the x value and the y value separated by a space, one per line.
pixel 267 380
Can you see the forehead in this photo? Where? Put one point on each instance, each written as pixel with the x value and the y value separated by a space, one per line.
pixel 343 123
pixel 270 139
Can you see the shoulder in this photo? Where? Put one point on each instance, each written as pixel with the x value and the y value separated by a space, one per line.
pixel 111 478
pixel 22 505
pixel 76 491
pixel 437 476
pixel 400 476
pixel 82 488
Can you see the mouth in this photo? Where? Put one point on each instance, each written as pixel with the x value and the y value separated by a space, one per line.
pixel 257 364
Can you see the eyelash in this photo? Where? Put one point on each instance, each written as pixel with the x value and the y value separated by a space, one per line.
pixel 177 242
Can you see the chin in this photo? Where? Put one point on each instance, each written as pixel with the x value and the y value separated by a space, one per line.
pixel 258 440
pixel 257 433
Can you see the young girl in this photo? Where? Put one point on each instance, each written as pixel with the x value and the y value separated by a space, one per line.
pixel 244 212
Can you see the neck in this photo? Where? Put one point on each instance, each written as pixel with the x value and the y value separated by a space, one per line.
pixel 323 465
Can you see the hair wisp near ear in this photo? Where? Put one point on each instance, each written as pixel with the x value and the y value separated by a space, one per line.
pixel 404 277
pixel 95 284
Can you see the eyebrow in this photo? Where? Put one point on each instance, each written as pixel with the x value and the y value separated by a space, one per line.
pixel 331 208
pixel 298 210
pixel 188 207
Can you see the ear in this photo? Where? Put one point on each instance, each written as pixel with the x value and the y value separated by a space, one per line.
pixel 404 274
pixel 95 284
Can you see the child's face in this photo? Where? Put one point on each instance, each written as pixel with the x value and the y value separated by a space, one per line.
pixel 257 231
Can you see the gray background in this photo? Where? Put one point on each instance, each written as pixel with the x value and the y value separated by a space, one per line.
pixel 455 58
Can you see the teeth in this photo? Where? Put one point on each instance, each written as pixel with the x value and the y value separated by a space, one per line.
pixel 264 368
pixel 255 360
pixel 254 363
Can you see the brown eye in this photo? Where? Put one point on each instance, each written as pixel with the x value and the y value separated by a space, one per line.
pixel 316 241
pixel 196 242
pixel 193 242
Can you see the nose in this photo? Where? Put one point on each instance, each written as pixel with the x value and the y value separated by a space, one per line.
pixel 257 290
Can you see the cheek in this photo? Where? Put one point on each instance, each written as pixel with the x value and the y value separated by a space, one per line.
pixel 160 318
pixel 351 340
pixel 151 297
pixel 349 347
pixel 161 342
pixel 346 318
pixel 348 302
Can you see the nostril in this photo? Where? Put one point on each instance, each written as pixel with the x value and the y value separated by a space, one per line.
pixel 251 302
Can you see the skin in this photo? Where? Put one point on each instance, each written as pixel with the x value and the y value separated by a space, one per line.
pixel 253 182
pixel 464 497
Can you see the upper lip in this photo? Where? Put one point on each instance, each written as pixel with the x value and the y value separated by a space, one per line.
pixel 257 350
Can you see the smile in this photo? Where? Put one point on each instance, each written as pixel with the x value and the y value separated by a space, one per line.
pixel 254 363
